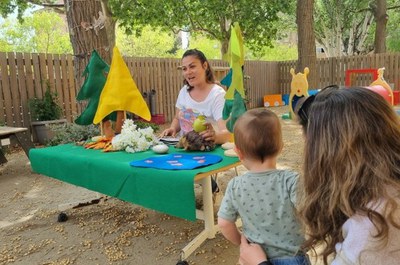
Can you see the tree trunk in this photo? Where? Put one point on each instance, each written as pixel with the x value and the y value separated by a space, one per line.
pixel 225 26
pixel 381 19
pixel 306 40
pixel 90 27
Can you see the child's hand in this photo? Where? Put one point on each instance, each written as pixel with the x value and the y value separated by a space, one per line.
pixel 251 253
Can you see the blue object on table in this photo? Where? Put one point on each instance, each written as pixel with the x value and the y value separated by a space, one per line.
pixel 177 161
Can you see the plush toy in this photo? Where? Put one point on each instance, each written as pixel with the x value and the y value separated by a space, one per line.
pixel 193 141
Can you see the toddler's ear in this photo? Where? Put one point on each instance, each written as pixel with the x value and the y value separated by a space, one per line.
pixel 238 152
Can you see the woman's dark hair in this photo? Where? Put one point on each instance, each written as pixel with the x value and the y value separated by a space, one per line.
pixel 200 55
pixel 303 107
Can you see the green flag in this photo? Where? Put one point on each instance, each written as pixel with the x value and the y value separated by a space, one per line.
pixel 235 108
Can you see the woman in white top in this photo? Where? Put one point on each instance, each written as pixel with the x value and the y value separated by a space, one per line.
pixel 350 188
pixel 200 95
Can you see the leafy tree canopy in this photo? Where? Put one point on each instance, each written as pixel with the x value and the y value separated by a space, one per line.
pixel 393 29
pixel 18 7
pixel 212 18
pixel 42 32
pixel 153 42
pixel 347 27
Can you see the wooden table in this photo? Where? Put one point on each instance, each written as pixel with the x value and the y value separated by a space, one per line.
pixel 20 134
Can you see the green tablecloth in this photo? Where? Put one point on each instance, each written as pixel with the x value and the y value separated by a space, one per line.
pixel 167 191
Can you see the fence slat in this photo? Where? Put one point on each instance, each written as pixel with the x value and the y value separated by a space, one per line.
pixel 5 95
pixel 15 90
pixel 22 111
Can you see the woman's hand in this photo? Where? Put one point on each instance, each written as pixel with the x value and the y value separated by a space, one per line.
pixel 251 253
pixel 168 132
pixel 209 134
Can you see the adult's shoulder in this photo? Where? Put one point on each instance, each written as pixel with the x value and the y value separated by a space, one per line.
pixel 218 89
pixel 184 89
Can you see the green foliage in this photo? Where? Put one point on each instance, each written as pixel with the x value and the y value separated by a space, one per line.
pixel 43 32
pixel 145 124
pixel 256 18
pixel 46 108
pixel 210 48
pixel 280 52
pixel 13 6
pixel 152 42
pixel 393 29
pixel 393 42
pixel 344 24
pixel 72 133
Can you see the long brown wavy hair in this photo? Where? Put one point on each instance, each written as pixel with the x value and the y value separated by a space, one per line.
pixel 352 161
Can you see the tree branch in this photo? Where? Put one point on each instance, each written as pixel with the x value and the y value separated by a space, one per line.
pixel 45 4
pixel 58 8
pixel 199 27
pixel 393 7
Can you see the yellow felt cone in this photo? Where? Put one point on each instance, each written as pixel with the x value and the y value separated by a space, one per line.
pixel 120 92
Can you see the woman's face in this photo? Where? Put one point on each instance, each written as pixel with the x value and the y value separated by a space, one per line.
pixel 193 71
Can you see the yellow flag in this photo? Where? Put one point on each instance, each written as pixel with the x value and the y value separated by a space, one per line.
pixel 120 92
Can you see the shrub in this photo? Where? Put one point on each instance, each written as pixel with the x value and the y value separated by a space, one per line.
pixel 72 133
pixel 46 108
pixel 145 124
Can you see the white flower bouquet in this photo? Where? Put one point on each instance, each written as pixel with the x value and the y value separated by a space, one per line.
pixel 133 139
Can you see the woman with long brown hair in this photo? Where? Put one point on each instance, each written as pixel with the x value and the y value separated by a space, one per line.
pixel 350 187
pixel 200 95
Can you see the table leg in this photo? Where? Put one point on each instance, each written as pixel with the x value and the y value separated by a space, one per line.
pixel 3 158
pixel 24 141
pixel 209 230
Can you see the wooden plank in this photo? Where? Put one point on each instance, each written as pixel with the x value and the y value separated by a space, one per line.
pixel 51 74
pixel 43 76
pixel 29 70
pixel 23 104
pixel 145 86
pixel 72 87
pixel 15 92
pixel 65 88
pixel 5 93
pixel 2 113
pixel 30 85
pixel 177 83
pixel 36 74
pixel 57 83
pixel 168 91
pixel 160 88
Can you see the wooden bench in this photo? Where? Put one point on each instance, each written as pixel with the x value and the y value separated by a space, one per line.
pixel 20 134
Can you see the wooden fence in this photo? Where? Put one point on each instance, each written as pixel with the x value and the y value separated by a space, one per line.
pixel 24 76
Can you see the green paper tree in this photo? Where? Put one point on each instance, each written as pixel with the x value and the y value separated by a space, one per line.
pixel 95 79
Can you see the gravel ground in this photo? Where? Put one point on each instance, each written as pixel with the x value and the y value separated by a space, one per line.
pixel 111 232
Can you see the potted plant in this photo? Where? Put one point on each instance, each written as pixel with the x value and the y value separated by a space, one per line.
pixel 45 112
